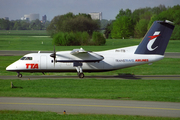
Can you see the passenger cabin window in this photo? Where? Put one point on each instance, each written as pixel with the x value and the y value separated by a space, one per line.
pixel 26 58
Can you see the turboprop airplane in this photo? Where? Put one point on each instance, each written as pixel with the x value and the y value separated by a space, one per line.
pixel 151 49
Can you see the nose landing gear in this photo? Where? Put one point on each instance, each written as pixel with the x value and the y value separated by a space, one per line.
pixel 19 75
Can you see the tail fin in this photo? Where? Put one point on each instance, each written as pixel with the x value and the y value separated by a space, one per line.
pixel 156 39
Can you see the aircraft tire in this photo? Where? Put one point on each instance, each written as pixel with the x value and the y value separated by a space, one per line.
pixel 19 75
pixel 81 75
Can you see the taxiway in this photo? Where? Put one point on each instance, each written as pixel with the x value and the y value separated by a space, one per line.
pixel 91 106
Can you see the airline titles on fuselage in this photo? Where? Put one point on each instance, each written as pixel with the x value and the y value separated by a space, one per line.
pixel 132 60
pixel 32 66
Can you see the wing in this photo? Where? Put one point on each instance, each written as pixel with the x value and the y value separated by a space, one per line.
pixel 79 55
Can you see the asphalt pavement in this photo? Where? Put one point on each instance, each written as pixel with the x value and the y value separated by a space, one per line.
pixel 91 106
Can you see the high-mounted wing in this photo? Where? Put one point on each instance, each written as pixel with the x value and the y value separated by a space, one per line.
pixel 78 55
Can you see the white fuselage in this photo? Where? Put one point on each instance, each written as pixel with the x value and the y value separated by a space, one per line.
pixel 113 59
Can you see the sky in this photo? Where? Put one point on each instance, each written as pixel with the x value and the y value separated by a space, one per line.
pixel 15 9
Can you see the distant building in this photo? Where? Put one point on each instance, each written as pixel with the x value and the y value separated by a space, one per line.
pixel 24 18
pixel 96 15
pixel 32 16
pixel 44 18
pixel 6 18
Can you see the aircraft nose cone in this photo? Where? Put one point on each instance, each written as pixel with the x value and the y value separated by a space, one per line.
pixel 10 67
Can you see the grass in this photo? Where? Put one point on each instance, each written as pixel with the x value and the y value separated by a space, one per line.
pixel 23 32
pixel 25 40
pixel 25 43
pixel 144 90
pixel 15 42
pixel 35 115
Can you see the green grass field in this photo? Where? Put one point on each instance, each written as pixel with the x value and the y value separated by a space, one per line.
pixel 34 115
pixel 23 32
pixel 144 90
pixel 32 40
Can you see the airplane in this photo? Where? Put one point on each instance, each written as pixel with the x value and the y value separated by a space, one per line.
pixel 151 49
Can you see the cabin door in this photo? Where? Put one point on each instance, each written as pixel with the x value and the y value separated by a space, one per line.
pixel 43 62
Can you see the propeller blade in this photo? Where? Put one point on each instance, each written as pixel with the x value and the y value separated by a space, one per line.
pixel 53 55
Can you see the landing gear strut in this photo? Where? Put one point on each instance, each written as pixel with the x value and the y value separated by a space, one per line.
pixel 19 75
pixel 78 67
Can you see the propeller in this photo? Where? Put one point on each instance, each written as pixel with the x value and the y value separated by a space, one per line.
pixel 53 55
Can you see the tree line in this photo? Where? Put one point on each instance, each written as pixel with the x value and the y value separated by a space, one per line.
pixel 81 29
pixel 22 25
pixel 70 29
pixel 135 24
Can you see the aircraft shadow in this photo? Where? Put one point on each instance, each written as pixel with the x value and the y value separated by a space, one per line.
pixel 127 76
pixel 122 76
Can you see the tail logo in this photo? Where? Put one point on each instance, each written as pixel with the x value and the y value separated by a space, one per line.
pixel 152 40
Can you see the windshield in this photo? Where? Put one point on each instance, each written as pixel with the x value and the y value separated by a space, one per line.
pixel 26 58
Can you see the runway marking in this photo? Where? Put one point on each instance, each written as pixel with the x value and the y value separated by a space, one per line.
pixel 4 103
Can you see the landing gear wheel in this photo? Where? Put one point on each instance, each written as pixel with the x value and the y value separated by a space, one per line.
pixel 81 75
pixel 19 75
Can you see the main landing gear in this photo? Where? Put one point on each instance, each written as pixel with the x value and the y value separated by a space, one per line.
pixel 19 75
pixel 81 75
pixel 78 67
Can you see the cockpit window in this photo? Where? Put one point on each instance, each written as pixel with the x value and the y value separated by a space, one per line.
pixel 26 58
pixel 22 58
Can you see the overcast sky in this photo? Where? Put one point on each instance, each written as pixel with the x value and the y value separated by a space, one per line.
pixel 15 9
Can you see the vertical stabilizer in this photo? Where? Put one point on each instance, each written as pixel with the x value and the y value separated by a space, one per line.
pixel 156 39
